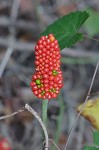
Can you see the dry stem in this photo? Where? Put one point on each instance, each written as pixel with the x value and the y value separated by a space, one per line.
pixel 32 111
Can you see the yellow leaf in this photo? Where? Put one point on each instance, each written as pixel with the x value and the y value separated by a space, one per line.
pixel 91 112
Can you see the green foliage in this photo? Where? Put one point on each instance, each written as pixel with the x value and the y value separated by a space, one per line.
pixel 92 24
pixel 90 148
pixel 96 137
pixel 66 28
pixel 95 140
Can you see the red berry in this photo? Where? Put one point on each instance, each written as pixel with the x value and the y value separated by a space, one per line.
pixel 36 53
pixel 44 58
pixel 43 38
pixel 36 62
pixel 46 65
pixel 51 83
pixel 34 88
pixel 56 79
pixel 39 96
pixel 46 61
pixel 41 46
pixel 50 72
pixel 44 43
pixel 32 84
pixel 46 81
pixel 52 45
pixel 49 97
pixel 47 94
pixel 43 97
pixel 57 92
pixel 46 70
pixel 37 47
pixel 55 85
pixel 37 57
pixel 50 63
pixel 39 51
pixel 45 76
pixel 54 95
pixel 48 47
pixel 40 41
pixel 34 77
pixel 46 89
pixel 40 60
pixel 51 49
pixel 48 41
pixel 44 50
pixel 35 92
pixel 50 35
pixel 46 85
pixel 51 68
pixel 55 41
pixel 51 77
pixel 48 57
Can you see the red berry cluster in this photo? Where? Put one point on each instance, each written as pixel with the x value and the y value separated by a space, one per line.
pixel 47 80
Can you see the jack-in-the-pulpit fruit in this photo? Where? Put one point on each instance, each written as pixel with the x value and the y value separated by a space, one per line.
pixel 47 80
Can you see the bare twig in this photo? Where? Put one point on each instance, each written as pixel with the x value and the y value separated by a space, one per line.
pixel 11 115
pixel 31 110
pixel 91 38
pixel 94 94
pixel 52 141
pixel 87 97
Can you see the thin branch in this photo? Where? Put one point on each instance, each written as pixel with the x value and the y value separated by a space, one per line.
pixel 52 141
pixel 31 110
pixel 93 94
pixel 91 38
pixel 11 115
pixel 87 97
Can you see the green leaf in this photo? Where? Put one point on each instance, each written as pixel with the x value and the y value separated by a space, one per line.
pixel 92 24
pixel 95 140
pixel 90 148
pixel 96 137
pixel 66 28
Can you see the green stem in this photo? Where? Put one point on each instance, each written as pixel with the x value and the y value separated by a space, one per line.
pixel 91 38
pixel 44 111
pixel 59 120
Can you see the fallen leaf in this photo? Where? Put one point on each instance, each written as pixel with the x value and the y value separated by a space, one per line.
pixel 91 112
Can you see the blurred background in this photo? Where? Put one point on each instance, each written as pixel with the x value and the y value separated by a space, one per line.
pixel 21 22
